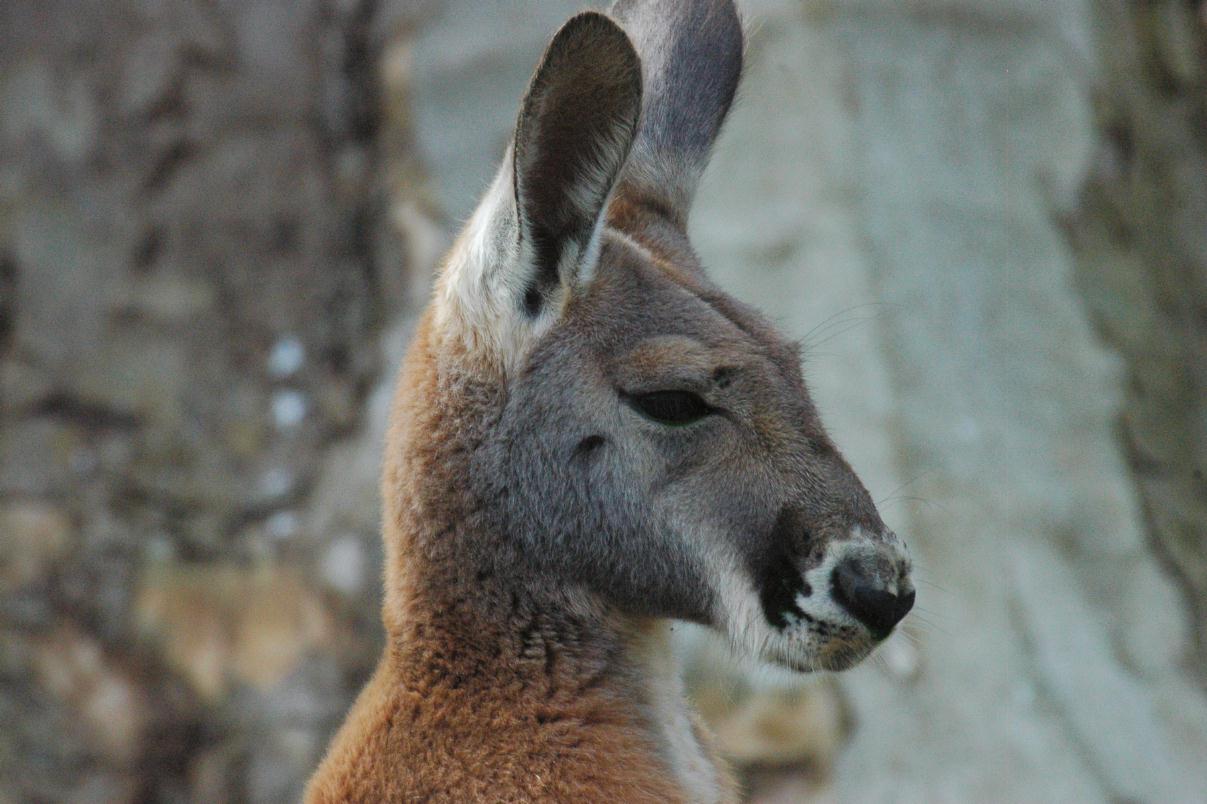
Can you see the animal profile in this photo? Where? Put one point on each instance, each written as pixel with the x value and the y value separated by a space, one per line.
pixel 591 440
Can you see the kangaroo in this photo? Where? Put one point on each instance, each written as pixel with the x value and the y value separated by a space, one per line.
pixel 589 441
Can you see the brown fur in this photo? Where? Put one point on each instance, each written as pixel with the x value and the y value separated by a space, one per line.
pixel 479 696
pixel 589 439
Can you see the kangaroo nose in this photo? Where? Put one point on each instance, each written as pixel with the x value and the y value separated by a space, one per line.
pixel 876 601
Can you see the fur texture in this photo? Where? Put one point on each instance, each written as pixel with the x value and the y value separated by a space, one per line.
pixel 542 522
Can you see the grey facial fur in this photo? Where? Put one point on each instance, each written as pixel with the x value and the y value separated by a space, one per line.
pixel 740 519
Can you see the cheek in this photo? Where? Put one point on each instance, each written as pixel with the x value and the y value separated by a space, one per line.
pixel 627 545
pixel 633 498
pixel 721 516
pixel 620 481
pixel 722 481
pixel 701 456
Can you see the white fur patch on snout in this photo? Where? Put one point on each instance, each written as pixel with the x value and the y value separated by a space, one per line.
pixel 858 544
pixel 820 605
pixel 821 634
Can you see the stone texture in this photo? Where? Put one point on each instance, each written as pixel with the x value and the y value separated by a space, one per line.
pixel 221 625
pixel 113 712
pixel 982 217
pixel 36 537
pixel 183 187
pixel 1142 266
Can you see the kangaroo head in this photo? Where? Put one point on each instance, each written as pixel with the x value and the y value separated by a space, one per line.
pixel 642 436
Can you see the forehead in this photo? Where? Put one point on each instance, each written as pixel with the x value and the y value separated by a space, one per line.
pixel 639 297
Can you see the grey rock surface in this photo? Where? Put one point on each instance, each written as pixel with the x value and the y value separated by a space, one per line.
pixel 182 186
pixel 982 217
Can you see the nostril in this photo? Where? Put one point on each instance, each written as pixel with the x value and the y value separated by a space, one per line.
pixel 867 599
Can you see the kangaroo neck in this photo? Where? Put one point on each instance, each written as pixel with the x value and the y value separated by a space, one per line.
pixel 466 613
pixel 570 669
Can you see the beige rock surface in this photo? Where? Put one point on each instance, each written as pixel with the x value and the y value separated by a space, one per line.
pixel 983 217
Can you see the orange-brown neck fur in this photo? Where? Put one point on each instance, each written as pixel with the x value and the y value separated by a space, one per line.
pixel 487 688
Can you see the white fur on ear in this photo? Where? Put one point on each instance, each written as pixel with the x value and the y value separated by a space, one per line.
pixel 534 238
pixel 476 297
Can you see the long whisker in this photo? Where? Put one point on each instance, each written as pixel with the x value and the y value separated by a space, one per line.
pixel 909 498
pixel 831 321
pixel 910 482
pixel 838 332
pixel 931 584
pixel 921 618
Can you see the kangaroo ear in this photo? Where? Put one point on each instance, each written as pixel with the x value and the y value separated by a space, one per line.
pixel 576 124
pixel 691 53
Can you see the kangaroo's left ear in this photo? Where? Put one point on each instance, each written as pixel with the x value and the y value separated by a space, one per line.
pixel 534 239
pixel 577 122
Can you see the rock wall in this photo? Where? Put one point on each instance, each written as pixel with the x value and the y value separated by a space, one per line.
pixel 983 217
pixel 197 263
pixel 1139 235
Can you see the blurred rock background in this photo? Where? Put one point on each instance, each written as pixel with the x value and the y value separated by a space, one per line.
pixel 986 218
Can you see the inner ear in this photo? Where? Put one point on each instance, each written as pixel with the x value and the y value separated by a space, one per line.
pixel 573 135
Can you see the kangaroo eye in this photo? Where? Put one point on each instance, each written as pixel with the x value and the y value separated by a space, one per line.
pixel 674 408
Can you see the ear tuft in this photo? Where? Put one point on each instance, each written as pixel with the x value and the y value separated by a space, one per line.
pixel 575 128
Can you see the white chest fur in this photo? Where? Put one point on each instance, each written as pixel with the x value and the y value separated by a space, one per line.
pixel 672 718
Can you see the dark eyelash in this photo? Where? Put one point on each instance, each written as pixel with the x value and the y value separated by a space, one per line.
pixel 674 408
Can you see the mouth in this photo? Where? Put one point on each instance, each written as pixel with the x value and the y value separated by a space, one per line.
pixel 828 616
pixel 830 662
pixel 813 644
pixel 832 616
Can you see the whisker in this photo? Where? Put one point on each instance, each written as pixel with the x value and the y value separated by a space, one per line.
pixel 830 320
pixel 920 569
pixel 838 332
pixel 922 620
pixel 910 482
pixel 913 499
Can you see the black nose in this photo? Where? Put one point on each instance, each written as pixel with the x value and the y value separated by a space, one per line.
pixel 864 594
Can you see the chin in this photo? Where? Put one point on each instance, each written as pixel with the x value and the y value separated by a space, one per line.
pixel 808 654
pixel 815 635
